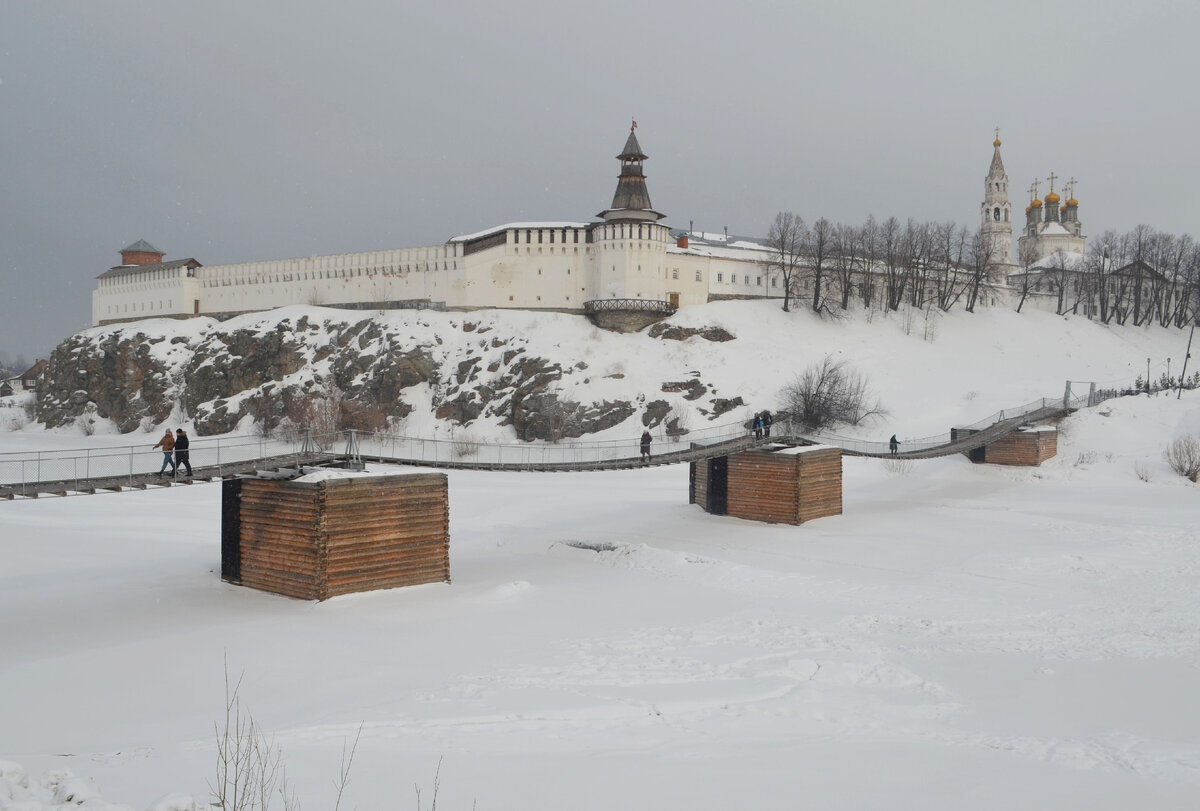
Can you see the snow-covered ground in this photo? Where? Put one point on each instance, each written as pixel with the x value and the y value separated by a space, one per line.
pixel 962 636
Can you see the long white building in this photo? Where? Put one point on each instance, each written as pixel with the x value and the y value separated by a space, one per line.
pixel 627 254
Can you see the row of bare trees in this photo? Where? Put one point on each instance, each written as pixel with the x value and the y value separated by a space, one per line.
pixel 882 264
pixel 1142 276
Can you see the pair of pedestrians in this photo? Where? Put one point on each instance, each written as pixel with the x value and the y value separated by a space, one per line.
pixel 762 424
pixel 174 444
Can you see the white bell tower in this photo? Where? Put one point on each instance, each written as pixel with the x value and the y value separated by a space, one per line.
pixel 996 213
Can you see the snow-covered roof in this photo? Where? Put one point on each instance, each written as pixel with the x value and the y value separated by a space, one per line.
pixel 495 229
pixel 1054 229
pixel 722 246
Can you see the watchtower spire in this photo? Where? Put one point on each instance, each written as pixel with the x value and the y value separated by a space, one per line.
pixel 631 200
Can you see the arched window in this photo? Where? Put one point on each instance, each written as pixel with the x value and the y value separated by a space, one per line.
pixel 996 214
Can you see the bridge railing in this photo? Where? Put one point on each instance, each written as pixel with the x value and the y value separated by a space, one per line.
pixel 1069 400
pixel 79 465
pixel 467 451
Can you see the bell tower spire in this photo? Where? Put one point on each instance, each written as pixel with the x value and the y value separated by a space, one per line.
pixel 996 213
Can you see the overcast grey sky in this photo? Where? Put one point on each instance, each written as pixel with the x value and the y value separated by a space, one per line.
pixel 237 131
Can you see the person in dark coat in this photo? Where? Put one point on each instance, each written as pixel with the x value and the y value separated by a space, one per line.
pixel 758 426
pixel 766 423
pixel 167 443
pixel 181 450
pixel 645 446
pixel 893 444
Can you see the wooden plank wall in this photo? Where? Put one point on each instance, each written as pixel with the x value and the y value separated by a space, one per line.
pixel 315 540
pixel 785 488
pixel 386 532
pixel 699 472
pixel 820 483
pixel 279 537
pixel 1023 448
pixel 763 487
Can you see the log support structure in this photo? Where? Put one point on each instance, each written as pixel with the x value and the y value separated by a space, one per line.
pixel 777 486
pixel 1025 447
pixel 316 540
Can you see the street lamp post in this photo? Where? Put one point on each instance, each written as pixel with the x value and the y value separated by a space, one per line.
pixel 1147 375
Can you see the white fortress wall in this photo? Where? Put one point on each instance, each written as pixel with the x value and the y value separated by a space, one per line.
pixel 530 266
pixel 423 273
pixel 145 294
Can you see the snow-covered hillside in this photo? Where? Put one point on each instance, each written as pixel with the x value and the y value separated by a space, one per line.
pixel 491 372
pixel 962 636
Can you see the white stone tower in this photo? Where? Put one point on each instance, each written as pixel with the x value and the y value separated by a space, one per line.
pixel 630 245
pixel 995 213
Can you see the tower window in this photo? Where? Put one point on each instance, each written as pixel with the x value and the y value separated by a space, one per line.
pixel 996 215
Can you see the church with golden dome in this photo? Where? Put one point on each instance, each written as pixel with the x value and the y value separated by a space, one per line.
pixel 1051 225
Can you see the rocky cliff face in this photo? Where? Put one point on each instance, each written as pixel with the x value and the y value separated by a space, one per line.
pixel 461 368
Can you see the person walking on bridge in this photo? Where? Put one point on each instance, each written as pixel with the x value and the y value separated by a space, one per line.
pixel 893 444
pixel 758 426
pixel 646 447
pixel 766 423
pixel 182 457
pixel 167 443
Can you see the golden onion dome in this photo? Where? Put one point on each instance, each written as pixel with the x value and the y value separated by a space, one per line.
pixel 996 142
pixel 1052 198
pixel 1071 201
pixel 1036 203
pixel 1028 208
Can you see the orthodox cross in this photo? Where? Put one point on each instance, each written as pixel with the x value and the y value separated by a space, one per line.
pixel 1033 188
pixel 1053 177
pixel 997 133
pixel 1070 187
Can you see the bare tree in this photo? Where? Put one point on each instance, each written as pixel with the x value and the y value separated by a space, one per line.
pixel 870 252
pixel 980 262
pixel 951 250
pixel 1105 253
pixel 1028 256
pixel 891 253
pixel 830 392
pixel 847 259
pixel 786 241
pixel 1057 270
pixel 817 247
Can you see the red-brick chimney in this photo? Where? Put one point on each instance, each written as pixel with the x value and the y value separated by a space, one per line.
pixel 141 253
pixel 681 241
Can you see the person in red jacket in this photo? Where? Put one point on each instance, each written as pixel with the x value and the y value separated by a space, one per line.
pixel 167 443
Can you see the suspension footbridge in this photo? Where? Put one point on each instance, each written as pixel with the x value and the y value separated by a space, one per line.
pixel 31 474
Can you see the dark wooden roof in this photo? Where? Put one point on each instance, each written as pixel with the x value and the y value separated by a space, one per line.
pixel 632 150
pixel 129 270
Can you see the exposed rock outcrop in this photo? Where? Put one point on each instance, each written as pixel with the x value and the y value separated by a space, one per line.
pixel 361 372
